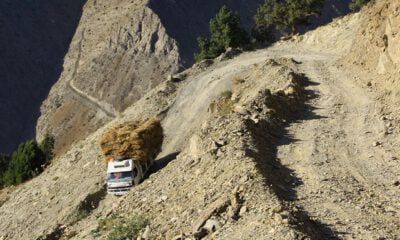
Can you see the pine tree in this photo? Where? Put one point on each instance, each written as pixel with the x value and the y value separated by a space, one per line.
pixel 225 32
pixel 26 162
pixel 285 14
pixel 47 147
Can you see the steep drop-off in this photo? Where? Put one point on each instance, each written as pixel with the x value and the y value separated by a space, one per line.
pixel 34 38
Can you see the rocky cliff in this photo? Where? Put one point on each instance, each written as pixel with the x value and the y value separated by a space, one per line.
pixel 376 48
pixel 34 37
pixel 377 45
pixel 120 51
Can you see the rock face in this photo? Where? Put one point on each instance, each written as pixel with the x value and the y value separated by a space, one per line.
pixel 34 37
pixel 376 47
pixel 120 51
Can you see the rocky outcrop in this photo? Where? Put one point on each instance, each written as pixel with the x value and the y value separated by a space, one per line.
pixel 34 38
pixel 376 45
pixel 119 52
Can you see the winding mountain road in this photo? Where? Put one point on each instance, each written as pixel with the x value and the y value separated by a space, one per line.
pixel 85 98
pixel 338 150
pixel 343 154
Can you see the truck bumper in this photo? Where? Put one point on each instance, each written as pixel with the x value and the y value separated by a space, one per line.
pixel 118 191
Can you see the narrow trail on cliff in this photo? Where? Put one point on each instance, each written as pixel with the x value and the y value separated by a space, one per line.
pixel 107 108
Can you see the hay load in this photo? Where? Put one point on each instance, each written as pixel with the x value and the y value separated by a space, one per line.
pixel 139 140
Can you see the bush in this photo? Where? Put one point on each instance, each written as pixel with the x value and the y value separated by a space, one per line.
pixel 47 147
pixel 284 15
pixel 128 228
pixel 27 161
pixel 225 32
pixel 356 5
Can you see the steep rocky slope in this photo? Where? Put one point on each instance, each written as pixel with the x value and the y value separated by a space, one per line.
pixel 82 188
pixel 121 50
pixel 376 47
pixel 34 37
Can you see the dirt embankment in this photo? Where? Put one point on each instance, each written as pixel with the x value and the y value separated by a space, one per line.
pixel 376 48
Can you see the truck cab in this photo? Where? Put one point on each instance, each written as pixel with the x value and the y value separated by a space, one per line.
pixel 123 174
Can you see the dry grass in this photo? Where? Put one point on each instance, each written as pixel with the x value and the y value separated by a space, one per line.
pixel 141 140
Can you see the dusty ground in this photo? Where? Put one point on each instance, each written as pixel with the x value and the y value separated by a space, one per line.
pixel 344 153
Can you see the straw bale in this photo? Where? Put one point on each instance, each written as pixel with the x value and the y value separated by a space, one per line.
pixel 140 140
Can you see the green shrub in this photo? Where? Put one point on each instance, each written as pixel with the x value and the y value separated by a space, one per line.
pixel 225 32
pixel 47 147
pixel 80 214
pixel 356 5
pixel 128 228
pixel 27 161
pixel 226 94
pixel 284 15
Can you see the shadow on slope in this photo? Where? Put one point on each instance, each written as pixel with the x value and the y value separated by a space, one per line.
pixel 162 163
pixel 34 38
pixel 271 133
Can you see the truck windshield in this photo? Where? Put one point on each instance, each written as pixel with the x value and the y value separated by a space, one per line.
pixel 119 175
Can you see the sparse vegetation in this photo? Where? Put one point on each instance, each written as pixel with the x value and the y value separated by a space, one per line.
pixel 26 162
pixel 226 94
pixel 284 15
pixel 356 5
pixel 122 228
pixel 81 214
pixel 225 32
pixel 223 105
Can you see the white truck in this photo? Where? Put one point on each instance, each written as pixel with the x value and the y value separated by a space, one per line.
pixel 139 143
pixel 124 173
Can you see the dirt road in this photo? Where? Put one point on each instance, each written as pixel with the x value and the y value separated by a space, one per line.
pixel 342 152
